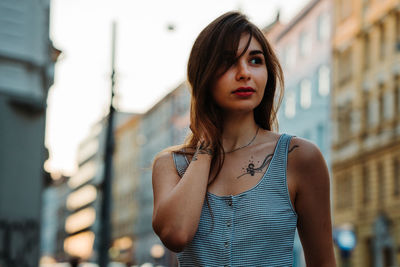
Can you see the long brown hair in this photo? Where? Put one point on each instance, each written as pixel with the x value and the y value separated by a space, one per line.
pixel 207 62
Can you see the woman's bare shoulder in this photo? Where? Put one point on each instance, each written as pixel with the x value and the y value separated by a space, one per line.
pixel 164 166
pixel 167 152
pixel 306 150
pixel 305 159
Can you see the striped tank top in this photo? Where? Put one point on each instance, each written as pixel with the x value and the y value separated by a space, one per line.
pixel 253 228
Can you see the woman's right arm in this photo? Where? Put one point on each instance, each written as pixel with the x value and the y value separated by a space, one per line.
pixel 178 201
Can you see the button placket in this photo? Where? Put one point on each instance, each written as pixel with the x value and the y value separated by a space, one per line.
pixel 228 234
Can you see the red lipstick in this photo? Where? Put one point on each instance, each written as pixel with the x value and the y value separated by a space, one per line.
pixel 244 91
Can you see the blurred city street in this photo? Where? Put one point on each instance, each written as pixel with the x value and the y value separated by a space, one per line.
pixel 88 98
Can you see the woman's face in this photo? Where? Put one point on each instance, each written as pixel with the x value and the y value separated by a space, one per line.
pixel 241 87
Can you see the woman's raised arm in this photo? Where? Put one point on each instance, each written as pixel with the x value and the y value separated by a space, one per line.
pixel 178 201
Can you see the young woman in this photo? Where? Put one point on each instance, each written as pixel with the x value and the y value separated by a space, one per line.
pixel 235 192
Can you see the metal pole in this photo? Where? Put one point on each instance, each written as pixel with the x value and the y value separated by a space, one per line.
pixel 105 232
pixel 346 262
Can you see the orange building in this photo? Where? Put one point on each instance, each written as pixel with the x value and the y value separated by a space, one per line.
pixel 366 132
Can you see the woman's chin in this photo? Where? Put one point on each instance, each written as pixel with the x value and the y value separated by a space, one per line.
pixel 240 110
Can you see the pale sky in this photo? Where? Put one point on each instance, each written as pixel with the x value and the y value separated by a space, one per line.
pixel 150 60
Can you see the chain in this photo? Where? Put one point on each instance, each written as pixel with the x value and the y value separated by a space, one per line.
pixel 251 141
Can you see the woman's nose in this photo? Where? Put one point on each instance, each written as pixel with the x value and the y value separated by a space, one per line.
pixel 243 71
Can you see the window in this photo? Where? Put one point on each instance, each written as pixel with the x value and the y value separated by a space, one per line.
pixel 366 189
pixel 290 105
pixel 381 184
pixel 344 191
pixel 305 93
pixel 323 27
pixel 380 104
pixel 388 256
pixel 290 56
pixel 344 112
pixel 382 42
pixel 397 26
pixel 345 65
pixel 355 121
pixel 396 177
pixel 367 48
pixel 397 94
pixel 388 106
pixel 305 44
pixel 373 110
pixel 324 80
pixel 365 108
pixel 369 252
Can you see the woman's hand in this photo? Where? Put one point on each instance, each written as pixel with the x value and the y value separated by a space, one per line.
pixel 202 148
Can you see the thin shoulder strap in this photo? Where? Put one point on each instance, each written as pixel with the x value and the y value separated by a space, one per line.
pixel 285 142
pixel 281 150
pixel 285 149
pixel 181 163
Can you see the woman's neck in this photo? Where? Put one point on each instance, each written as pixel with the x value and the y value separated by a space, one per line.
pixel 239 130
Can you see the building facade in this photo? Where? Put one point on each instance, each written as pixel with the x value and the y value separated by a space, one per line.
pixel 125 209
pixel 83 224
pixel 304 50
pixel 54 213
pixel 26 73
pixel 303 46
pixel 84 202
pixel 164 125
pixel 366 132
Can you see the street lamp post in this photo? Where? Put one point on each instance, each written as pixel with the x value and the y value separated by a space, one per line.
pixel 346 241
pixel 105 233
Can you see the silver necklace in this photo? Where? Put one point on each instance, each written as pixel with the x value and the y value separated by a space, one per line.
pixel 251 141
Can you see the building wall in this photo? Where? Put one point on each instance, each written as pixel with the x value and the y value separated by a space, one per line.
pixel 164 125
pixel 26 73
pixel 84 202
pixel 54 213
pixel 366 132
pixel 303 48
pixel 125 209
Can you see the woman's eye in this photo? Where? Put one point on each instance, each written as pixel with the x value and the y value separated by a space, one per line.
pixel 256 61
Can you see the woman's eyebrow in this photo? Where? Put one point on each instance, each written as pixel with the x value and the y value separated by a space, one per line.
pixel 255 52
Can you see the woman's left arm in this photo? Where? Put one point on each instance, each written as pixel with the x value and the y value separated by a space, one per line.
pixel 308 171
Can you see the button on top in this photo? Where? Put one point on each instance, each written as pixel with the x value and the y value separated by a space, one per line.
pixel 230 202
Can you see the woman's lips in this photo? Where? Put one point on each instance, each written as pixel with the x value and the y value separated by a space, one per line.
pixel 244 94
pixel 244 91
